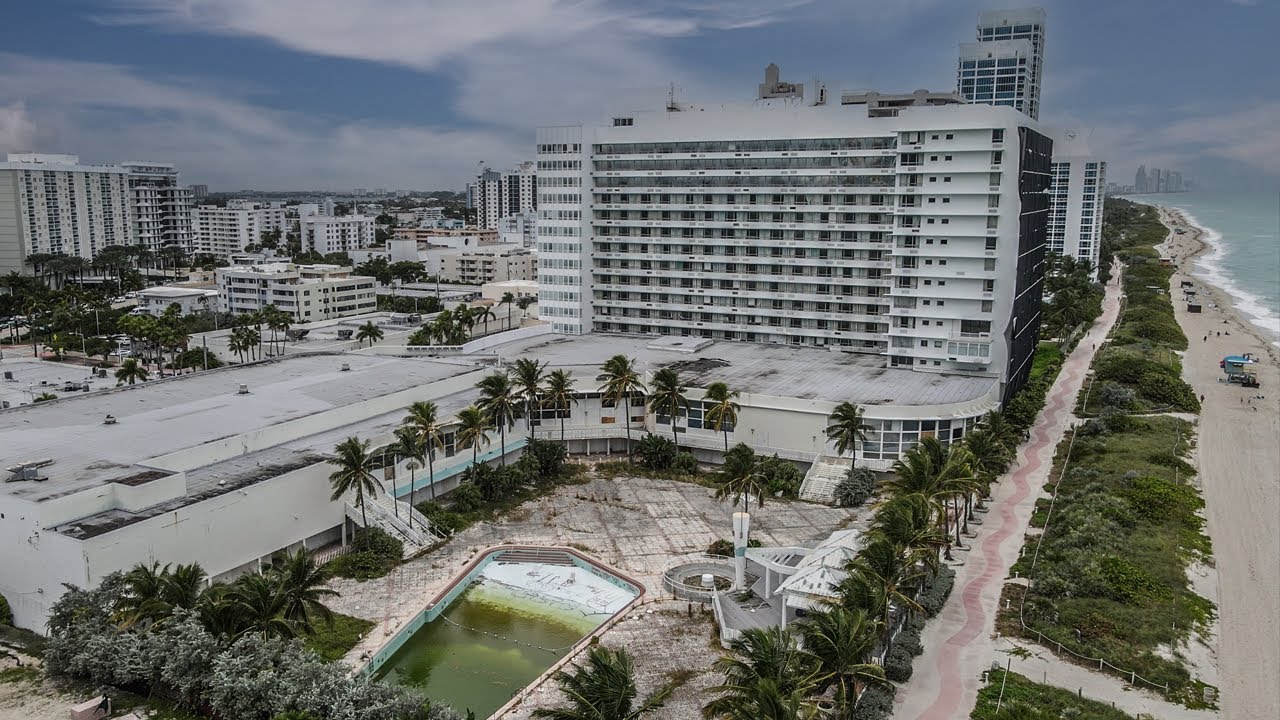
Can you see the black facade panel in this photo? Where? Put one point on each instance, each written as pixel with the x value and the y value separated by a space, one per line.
pixel 1034 168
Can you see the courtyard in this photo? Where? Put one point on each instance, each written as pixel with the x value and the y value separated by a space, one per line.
pixel 639 526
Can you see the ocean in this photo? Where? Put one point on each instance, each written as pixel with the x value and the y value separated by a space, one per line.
pixel 1243 232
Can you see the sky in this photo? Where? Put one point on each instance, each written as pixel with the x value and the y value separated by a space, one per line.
pixel 414 94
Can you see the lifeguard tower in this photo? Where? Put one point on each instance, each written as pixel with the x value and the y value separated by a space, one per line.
pixel 1239 370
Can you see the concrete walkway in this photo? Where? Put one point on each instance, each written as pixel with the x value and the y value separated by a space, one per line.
pixel 961 641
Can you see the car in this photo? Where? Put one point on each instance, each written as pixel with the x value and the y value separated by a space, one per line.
pixel 121 352
pixel 140 311
pixel 119 299
pixel 131 296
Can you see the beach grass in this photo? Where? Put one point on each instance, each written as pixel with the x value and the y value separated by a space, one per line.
pixel 1023 698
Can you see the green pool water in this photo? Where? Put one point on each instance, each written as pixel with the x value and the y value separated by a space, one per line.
pixel 450 662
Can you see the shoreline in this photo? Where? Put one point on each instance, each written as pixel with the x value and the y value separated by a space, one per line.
pixel 1237 457
pixel 1206 268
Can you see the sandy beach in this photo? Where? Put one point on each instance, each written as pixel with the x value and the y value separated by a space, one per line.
pixel 1238 455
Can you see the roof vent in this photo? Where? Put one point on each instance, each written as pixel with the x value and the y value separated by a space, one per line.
pixel 28 471
pixel 244 389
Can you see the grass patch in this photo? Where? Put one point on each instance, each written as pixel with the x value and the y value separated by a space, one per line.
pixel 1033 701
pixel 25 640
pixel 1048 358
pixel 333 640
pixel 611 469
pixel 1110 580
pixel 26 673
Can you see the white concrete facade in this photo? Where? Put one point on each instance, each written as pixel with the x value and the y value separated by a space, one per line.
pixel 325 234
pixel 910 236
pixel 225 231
pixel 190 300
pixel 53 204
pixel 307 292
pixel 486 265
pixel 162 207
pixel 1006 64
pixel 502 194
pixel 1076 204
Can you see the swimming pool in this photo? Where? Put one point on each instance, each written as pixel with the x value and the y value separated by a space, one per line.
pixel 504 622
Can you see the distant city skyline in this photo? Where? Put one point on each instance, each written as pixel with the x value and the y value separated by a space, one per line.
pixel 415 95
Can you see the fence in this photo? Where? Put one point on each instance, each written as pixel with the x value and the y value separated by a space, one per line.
pixel 1041 637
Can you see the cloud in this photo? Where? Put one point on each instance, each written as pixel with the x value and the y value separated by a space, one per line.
pixel 17 129
pixel 228 141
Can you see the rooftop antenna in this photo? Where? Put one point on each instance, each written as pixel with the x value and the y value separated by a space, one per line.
pixel 672 105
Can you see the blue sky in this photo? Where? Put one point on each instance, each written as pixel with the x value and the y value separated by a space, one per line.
pixel 334 94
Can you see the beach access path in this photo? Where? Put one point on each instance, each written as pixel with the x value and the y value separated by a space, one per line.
pixel 960 643
pixel 1238 454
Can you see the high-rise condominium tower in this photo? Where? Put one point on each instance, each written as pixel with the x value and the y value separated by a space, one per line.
pixel 162 208
pixel 503 194
pixel 1005 65
pixel 883 225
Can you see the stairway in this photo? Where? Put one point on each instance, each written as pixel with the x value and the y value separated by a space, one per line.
pixel 543 557
pixel 382 514
pixel 824 475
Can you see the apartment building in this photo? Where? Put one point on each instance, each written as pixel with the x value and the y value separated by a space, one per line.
pixel 520 229
pixel 325 234
pixel 308 292
pixel 162 207
pixel 54 204
pixel 1006 64
pixel 917 236
pixel 502 194
pixel 225 231
pixel 1076 200
pixel 486 265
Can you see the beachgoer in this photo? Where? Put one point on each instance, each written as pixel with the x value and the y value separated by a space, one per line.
pixel 1201 397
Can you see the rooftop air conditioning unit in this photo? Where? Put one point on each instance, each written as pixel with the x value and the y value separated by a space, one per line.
pixel 244 389
pixel 346 367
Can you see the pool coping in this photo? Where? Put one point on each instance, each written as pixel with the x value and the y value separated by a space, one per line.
pixel 481 557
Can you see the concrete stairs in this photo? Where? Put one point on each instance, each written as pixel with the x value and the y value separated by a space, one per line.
pixel 824 475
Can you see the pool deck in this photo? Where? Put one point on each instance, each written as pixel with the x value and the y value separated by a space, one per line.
pixel 636 526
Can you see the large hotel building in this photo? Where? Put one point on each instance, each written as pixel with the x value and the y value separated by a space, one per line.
pixel 909 227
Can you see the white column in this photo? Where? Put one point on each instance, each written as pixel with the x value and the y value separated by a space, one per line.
pixel 741 529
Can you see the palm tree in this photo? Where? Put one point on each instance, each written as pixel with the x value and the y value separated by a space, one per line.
pixel 484 314
pixel 666 397
pixel 507 299
pixel 621 378
pixel 424 418
pixel 924 470
pixel 1001 431
pixel 723 413
pixel 498 401
pixel 354 473
pixel 303 586
pixel 410 444
pixel 603 689
pixel 887 572
pixel 765 668
pixel 909 522
pixel 370 332
pixel 152 593
pixel 559 395
pixel 261 603
pixel 278 321
pixel 842 640
pixel 130 371
pixel 527 380
pixel 238 343
pixel 473 430
pixel 990 459
pixel 742 476
pixel 847 429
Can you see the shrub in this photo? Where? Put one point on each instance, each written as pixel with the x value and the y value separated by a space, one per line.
pixel 1120 366
pixel 6 614
pixel 1160 500
pixel 1093 427
pixel 1118 422
pixel 909 638
pixel 897 664
pixel 195 358
pixel 466 498
pixel 357 566
pixel 858 485
pixel 784 477
pixel 1128 583
pixel 548 456
pixel 379 542
pixel 1168 390
pixel 656 452
pixel 936 590
pixel 721 547
pixel 440 518
pixel 686 463
pixel 876 702
pixel 1112 395
pixel 1164 331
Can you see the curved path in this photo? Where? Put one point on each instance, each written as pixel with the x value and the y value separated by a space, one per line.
pixel 959 643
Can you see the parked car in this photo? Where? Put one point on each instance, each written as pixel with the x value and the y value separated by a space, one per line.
pixel 131 296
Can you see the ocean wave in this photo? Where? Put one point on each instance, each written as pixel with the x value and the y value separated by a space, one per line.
pixel 1209 266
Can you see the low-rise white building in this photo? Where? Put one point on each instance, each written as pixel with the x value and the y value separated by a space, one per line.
pixel 156 300
pixel 489 264
pixel 308 292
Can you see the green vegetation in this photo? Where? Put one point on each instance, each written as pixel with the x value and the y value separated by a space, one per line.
pixel 1048 359
pixel 334 639
pixel 1110 580
pixel 603 687
pixel 1141 355
pixel 1072 298
pixel 1026 700
pixel 373 554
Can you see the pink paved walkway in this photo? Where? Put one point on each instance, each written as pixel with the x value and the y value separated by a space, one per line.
pixel 959 643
